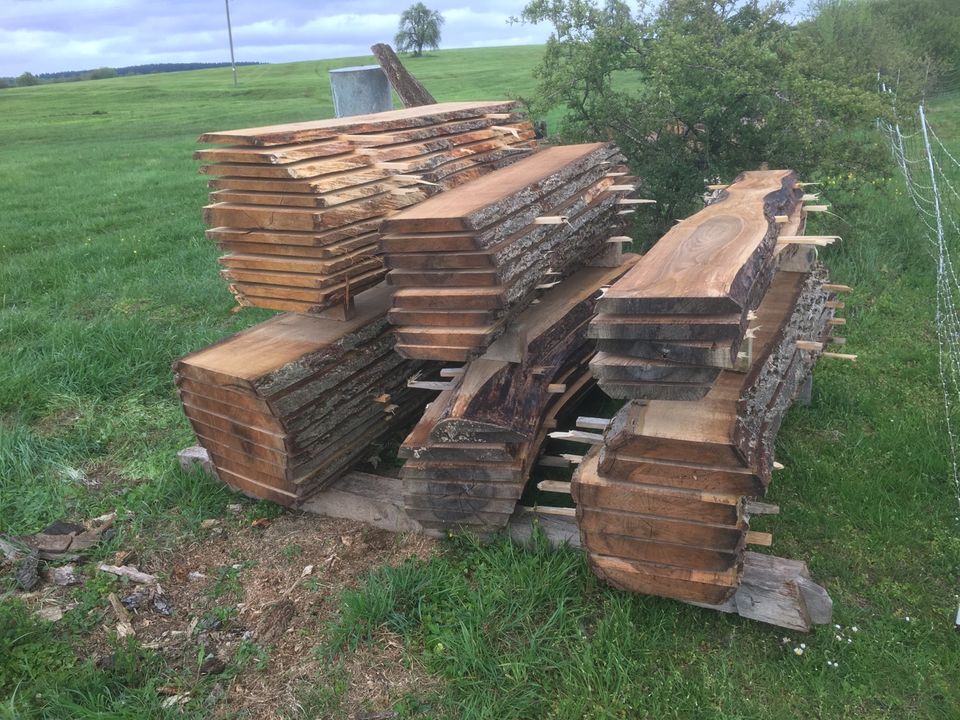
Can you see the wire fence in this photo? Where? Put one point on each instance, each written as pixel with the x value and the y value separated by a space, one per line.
pixel 931 172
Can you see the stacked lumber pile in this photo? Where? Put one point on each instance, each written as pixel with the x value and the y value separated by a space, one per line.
pixel 667 329
pixel 665 495
pixel 464 263
pixel 287 406
pixel 662 501
pixel 469 457
pixel 297 207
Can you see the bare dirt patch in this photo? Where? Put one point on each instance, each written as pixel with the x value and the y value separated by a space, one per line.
pixel 249 605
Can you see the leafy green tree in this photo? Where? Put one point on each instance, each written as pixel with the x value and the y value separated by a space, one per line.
pixel 700 89
pixel 419 28
pixel 103 73
pixel 27 79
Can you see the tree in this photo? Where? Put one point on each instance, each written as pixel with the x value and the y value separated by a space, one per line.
pixel 419 28
pixel 103 73
pixel 701 89
pixel 27 79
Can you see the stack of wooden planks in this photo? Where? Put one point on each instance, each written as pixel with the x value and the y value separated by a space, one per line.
pixel 468 459
pixel 465 262
pixel 288 405
pixel 667 328
pixel 297 207
pixel 664 498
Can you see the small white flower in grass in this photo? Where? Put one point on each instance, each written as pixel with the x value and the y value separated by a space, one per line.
pixel 798 651
pixel 803 646
pixel 855 629
pixel 837 627
pixel 849 640
pixel 839 638
pixel 785 640
pixel 907 618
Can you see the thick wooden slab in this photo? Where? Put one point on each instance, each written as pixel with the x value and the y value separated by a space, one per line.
pixel 707 263
pixel 501 192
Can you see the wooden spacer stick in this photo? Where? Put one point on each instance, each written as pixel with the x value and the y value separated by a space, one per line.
pixel 806 184
pixel 621 188
pixel 753 507
pixel 574 459
pixel 626 212
pixel 781 219
pixel 717 187
pixel 833 287
pixel 592 423
pixel 578 436
pixel 547 510
pixel 429 385
pixel 451 372
pixel 840 356
pixel 809 345
pixel 498 116
pixel 620 239
pixel 547 286
pixel 809 239
pixel 556 388
pixel 635 201
pixel 554 486
pixel 809 197
pixel 553 461
pixel 835 304
pixel 816 208
pixel 616 174
pixel 778 466
pixel 550 220
pixel 837 321
pixel 504 129
pixel 759 538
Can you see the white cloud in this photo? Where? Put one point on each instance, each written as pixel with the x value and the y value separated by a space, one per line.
pixel 52 35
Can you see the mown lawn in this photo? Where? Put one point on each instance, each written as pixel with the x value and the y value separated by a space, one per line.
pixel 105 278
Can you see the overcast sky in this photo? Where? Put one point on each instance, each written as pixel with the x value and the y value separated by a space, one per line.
pixel 51 35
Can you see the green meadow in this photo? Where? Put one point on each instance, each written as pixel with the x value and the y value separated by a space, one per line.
pixel 106 278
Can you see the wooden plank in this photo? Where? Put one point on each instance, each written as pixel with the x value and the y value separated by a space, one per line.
pixel 496 194
pixel 707 263
pixel 375 122
pixel 411 92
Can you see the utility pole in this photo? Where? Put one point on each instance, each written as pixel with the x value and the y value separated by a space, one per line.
pixel 233 63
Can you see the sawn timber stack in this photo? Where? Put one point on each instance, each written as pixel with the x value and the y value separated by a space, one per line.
pixel 669 326
pixel 287 406
pixel 297 206
pixel 468 459
pixel 664 503
pixel 465 262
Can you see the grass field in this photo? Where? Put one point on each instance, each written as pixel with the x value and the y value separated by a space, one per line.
pixel 105 278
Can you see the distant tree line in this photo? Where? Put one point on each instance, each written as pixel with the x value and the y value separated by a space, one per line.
pixel 27 79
